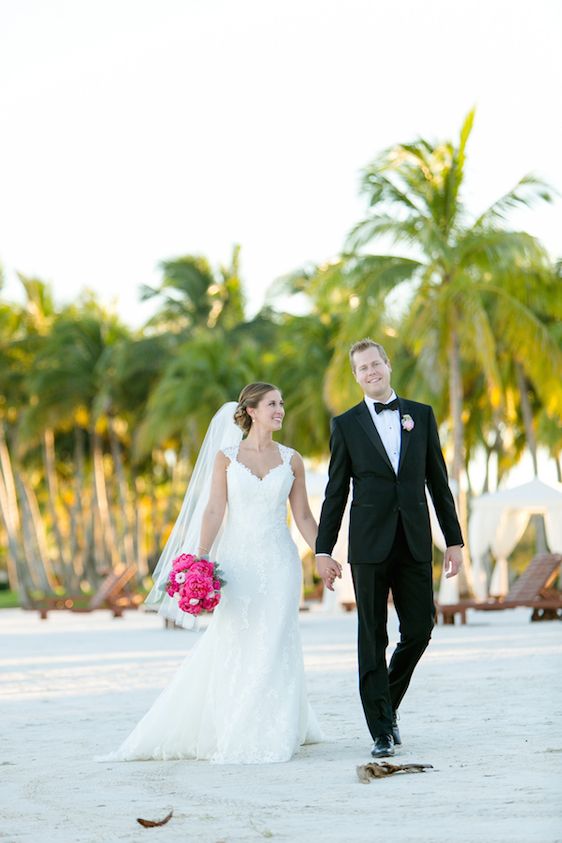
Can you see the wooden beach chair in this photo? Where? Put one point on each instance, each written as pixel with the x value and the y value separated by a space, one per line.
pixel 535 588
pixel 113 593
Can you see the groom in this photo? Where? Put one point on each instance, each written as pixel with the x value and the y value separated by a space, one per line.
pixel 389 447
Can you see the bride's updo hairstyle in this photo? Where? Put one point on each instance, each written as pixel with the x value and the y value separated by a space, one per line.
pixel 250 396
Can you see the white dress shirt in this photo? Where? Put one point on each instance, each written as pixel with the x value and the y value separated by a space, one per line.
pixel 387 424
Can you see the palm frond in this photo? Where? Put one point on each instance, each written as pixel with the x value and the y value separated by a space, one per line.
pixel 527 192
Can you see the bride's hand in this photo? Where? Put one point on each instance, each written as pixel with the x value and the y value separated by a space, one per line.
pixel 328 570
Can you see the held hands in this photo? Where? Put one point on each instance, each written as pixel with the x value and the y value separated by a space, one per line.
pixel 328 570
pixel 452 560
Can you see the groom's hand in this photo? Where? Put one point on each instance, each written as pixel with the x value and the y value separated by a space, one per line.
pixel 328 570
pixel 452 560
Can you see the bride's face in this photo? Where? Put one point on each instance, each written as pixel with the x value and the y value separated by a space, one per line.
pixel 270 411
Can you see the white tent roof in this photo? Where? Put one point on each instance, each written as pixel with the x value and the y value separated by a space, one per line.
pixel 535 496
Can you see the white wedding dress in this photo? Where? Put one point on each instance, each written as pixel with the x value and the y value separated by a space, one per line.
pixel 239 697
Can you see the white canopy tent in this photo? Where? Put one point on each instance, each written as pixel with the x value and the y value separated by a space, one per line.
pixel 497 522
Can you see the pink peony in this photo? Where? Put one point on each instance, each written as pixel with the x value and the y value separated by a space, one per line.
pixel 196 585
pixel 183 561
pixel 203 567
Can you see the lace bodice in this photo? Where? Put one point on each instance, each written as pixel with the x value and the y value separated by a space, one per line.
pixel 257 506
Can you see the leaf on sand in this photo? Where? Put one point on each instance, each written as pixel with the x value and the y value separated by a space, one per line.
pixel 374 770
pixel 155 823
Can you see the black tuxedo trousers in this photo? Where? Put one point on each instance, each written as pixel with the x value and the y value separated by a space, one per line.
pixel 411 583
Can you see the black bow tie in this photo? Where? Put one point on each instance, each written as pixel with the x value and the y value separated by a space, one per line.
pixel 392 405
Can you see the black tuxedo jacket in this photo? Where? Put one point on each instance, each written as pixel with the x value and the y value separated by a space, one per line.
pixel 379 495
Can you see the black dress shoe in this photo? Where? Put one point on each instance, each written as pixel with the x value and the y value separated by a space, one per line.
pixel 383 746
pixel 396 731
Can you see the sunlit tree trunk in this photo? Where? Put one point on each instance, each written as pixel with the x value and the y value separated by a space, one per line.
pixel 126 533
pixel 156 521
pixel 527 415
pixel 110 556
pixel 140 530
pixel 488 451
pixel 34 538
pixel 80 534
pixel 17 574
pixel 64 571
pixel 455 401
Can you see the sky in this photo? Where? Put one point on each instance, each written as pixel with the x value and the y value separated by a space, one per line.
pixel 135 131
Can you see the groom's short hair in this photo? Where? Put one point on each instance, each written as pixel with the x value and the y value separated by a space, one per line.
pixel 363 345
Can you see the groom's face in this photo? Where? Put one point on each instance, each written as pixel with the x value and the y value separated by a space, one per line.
pixel 372 373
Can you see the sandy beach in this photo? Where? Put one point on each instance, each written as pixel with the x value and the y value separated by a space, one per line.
pixel 484 708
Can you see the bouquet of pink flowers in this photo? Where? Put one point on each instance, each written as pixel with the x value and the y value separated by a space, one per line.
pixel 197 582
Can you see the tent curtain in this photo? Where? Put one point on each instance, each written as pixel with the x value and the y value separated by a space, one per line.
pixel 481 531
pixel 509 530
pixel 553 527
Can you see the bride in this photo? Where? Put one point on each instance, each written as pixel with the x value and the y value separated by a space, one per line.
pixel 239 696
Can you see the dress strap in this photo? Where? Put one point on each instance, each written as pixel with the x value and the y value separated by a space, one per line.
pixel 231 451
pixel 286 453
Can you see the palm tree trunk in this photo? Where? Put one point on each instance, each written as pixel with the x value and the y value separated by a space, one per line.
pixel 140 531
pixel 91 554
pixel 127 544
pixel 8 474
pixel 79 527
pixel 527 414
pixel 486 485
pixel 455 402
pixel 530 435
pixel 18 575
pixel 111 556
pixel 34 538
pixel 10 515
pixel 49 459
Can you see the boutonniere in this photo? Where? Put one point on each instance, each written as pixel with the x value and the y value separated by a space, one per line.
pixel 407 422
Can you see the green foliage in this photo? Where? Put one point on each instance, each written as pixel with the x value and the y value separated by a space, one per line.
pixel 9 600
pixel 202 375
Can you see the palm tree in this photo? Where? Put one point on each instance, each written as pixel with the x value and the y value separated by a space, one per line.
pixel 465 279
pixel 193 295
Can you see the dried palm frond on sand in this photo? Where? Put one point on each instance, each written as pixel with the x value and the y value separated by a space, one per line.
pixel 155 823
pixel 374 770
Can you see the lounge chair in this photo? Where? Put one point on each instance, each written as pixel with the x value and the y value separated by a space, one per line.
pixel 534 588
pixel 111 594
